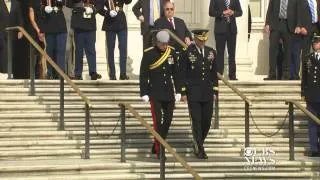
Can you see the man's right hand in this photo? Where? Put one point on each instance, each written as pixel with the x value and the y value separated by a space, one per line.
pixel 141 19
pixel 145 98
pixel 267 29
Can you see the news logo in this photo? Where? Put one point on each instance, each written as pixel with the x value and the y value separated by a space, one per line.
pixel 259 159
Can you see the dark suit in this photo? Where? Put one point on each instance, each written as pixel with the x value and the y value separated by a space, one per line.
pixel 142 8
pixel 225 32
pixel 282 28
pixel 310 88
pixel 180 29
pixel 14 18
pixel 156 82
pixel 200 82
pixel 311 28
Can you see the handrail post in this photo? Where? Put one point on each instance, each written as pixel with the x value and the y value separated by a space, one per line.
pixel 9 53
pixel 61 125
pixel 123 132
pixel 162 163
pixel 216 113
pixel 32 74
pixel 87 133
pixel 291 132
pixel 247 125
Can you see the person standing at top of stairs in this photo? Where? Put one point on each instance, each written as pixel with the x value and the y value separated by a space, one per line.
pixel 310 88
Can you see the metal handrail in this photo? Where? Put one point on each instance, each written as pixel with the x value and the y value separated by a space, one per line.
pixel 160 139
pixel 234 89
pixel 291 123
pixel 51 62
pixel 63 77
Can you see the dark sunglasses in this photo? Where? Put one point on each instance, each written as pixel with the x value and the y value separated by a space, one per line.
pixel 169 9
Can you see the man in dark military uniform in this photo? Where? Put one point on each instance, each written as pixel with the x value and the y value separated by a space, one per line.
pixel 158 66
pixel 55 29
pixel 115 25
pixel 200 84
pixel 310 91
pixel 83 22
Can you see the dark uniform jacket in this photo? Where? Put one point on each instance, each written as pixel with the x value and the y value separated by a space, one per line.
pixel 142 8
pixel 180 30
pixel 199 74
pixel 310 82
pixel 80 20
pixel 53 22
pixel 221 24
pixel 156 79
pixel 117 23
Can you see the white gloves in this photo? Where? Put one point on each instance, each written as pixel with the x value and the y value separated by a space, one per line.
pixel 48 9
pixel 178 97
pixel 88 10
pixel 113 13
pixel 145 98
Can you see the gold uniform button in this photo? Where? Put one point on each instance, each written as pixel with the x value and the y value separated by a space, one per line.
pixel 164 75
pixel 165 82
pixel 202 62
pixel 164 68
pixel 202 73
pixel 314 81
pixel 202 79
pixel 203 68
pixel 315 77
pixel 316 67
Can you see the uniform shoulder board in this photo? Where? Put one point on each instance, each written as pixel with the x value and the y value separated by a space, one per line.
pixel 171 47
pixel 148 49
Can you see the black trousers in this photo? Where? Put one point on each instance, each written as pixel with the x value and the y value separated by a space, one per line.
pixel 2 49
pixel 162 112
pixel 201 114
pixel 231 40
pixel 275 35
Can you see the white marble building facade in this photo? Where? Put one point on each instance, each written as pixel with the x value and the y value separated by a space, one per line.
pixel 251 55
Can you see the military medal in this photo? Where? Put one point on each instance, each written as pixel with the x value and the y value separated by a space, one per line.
pixel 170 60
pixel 211 56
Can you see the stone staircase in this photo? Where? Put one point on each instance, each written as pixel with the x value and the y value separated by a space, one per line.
pixel 32 147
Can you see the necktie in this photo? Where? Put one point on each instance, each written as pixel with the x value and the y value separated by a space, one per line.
pixel 8 4
pixel 283 9
pixel 227 4
pixel 313 10
pixel 171 23
pixel 156 13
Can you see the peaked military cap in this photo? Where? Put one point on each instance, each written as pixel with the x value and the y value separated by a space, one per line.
pixel 201 34
pixel 315 38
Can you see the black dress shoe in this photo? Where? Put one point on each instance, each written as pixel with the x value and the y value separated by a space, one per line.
pixel 204 154
pixel 95 76
pixel 233 79
pixel 112 78
pixel 269 78
pixel 124 77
